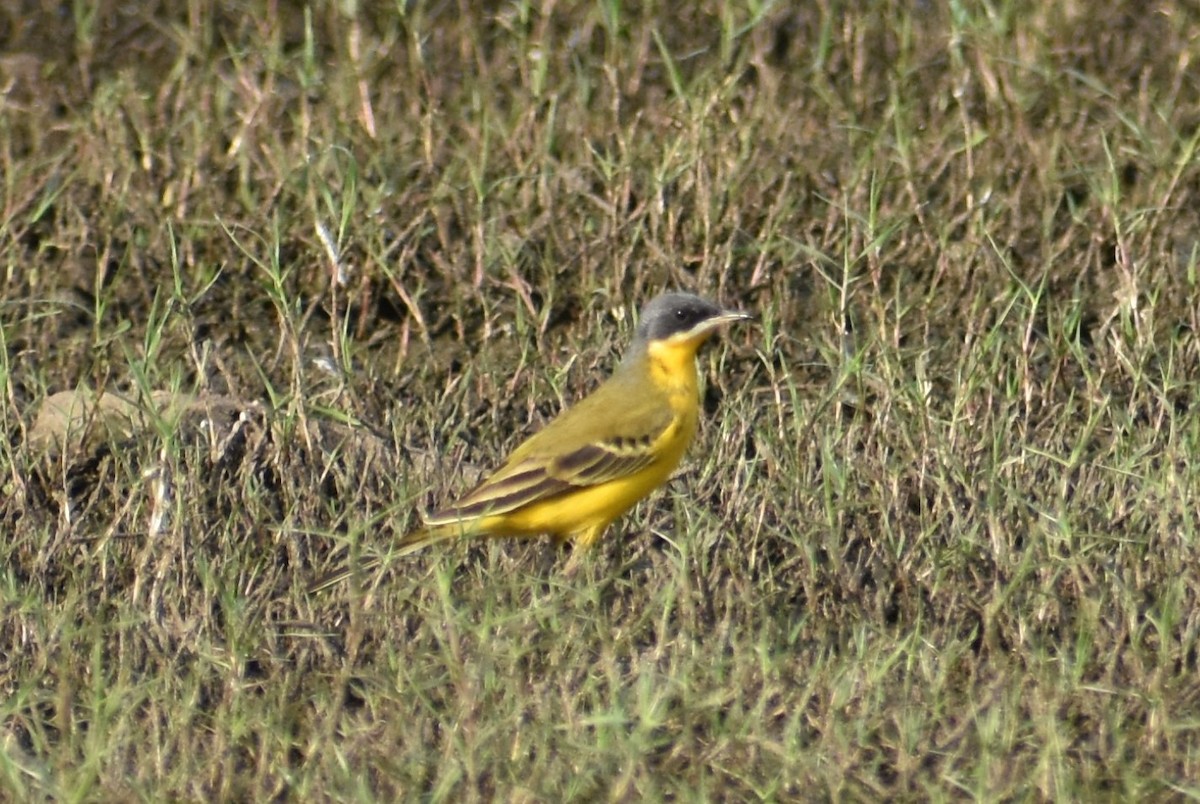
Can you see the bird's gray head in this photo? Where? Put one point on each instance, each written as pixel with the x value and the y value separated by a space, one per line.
pixel 681 314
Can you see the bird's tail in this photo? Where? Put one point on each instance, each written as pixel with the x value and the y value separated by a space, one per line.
pixel 412 542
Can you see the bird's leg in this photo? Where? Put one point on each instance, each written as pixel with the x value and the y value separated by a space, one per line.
pixel 582 542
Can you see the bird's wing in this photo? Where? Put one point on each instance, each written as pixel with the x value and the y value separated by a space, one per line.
pixel 575 451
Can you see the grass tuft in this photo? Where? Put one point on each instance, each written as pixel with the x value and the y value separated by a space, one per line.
pixel 276 279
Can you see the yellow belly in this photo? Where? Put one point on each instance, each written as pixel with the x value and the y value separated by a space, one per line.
pixel 587 511
pixel 580 510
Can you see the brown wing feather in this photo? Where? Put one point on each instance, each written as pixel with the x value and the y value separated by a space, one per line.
pixel 535 480
pixel 585 446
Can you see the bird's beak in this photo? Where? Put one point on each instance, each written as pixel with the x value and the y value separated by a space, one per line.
pixel 710 325
pixel 729 316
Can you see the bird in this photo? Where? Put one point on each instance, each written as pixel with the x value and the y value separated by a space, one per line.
pixel 599 457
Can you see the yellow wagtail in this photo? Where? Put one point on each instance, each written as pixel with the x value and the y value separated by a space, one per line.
pixel 599 457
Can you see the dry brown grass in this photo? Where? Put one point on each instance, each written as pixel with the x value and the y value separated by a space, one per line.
pixel 938 538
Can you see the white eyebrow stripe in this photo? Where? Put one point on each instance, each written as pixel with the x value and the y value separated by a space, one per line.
pixel 688 334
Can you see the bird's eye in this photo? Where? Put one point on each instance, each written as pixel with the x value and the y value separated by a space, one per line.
pixel 680 314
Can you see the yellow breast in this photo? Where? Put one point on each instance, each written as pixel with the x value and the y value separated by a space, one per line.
pixel 594 507
pixel 669 373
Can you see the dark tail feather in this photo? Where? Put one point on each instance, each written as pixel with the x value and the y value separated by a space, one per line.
pixel 411 543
